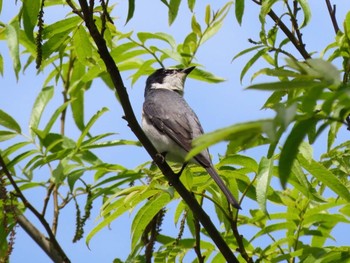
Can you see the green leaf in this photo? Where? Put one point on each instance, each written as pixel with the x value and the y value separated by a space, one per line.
pixel 89 125
pixel 62 26
pixel 9 122
pixel 263 182
pixel 7 135
pixel 207 17
pixel 205 76
pixel 54 117
pixel 191 4
pixel 291 148
pixel 1 64
pixel 325 176
pixel 40 103
pixel 12 37
pixel 82 45
pixel 131 10
pixel 241 131
pixel 173 10
pixel 77 106
pixel 306 10
pixel 239 10
pixel 30 16
pixel 145 215
pixel 285 85
pixel 196 27
pixel 251 62
pixel 144 36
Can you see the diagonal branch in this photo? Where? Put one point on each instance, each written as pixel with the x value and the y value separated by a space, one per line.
pixel 135 127
pixel 297 44
pixel 331 11
pixel 55 251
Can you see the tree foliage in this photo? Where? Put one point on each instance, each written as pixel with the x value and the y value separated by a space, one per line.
pixel 309 95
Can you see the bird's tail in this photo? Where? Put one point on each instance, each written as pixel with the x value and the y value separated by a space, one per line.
pixel 211 170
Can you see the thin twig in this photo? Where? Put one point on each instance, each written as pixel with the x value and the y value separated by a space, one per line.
pixel 331 11
pixel 299 46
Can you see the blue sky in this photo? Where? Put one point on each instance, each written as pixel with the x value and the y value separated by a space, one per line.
pixel 217 105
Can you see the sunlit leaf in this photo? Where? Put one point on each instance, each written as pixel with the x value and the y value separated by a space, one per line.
pixel 191 4
pixel 241 131
pixel 131 10
pixel 12 36
pixel 306 12
pixel 263 182
pixel 291 147
pixel 251 62
pixel 30 16
pixel 9 122
pixel 89 125
pixel 239 10
pixel 173 10
pixel 40 103
pixel 325 176
pixel 145 215
pixel 82 45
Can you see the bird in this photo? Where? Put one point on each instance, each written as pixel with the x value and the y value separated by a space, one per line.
pixel 171 124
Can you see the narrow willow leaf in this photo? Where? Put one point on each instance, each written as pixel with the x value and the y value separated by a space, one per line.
pixel 173 10
pixel 12 37
pixel 211 31
pixel 62 26
pixel 21 157
pixel 265 9
pixel 13 148
pixel 263 182
pixel 40 103
pixel 291 148
pixel 9 122
pixel 131 10
pixel 7 135
pixel 82 45
pixel 191 4
pixel 234 132
pixel 251 62
pixel 145 215
pixel 77 106
pixel 241 160
pixel 245 51
pixel 306 11
pixel 1 64
pixel 239 10
pixel 207 17
pixel 108 219
pixel 30 16
pixel 196 27
pixel 285 85
pixel 54 117
pixel 89 125
pixel 205 76
pixel 144 36
pixel 273 228
pixel 326 177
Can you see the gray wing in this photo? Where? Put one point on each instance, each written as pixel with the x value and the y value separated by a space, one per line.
pixel 171 115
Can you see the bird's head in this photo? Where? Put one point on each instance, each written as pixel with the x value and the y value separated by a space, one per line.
pixel 170 79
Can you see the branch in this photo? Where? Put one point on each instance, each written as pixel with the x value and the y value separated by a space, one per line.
pixel 45 244
pixel 331 11
pixel 297 44
pixel 55 248
pixel 136 129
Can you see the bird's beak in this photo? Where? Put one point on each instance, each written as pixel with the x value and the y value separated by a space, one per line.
pixel 188 70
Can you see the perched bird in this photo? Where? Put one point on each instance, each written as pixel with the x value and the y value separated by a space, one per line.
pixel 171 125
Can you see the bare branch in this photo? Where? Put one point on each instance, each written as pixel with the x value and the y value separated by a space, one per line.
pixel 331 11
